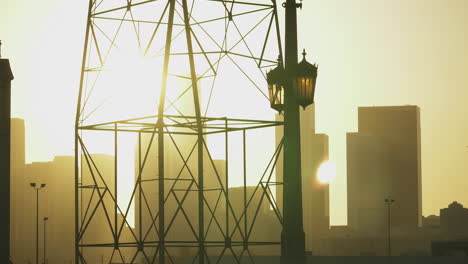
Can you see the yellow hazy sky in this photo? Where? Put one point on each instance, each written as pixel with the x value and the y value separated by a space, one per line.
pixel 370 52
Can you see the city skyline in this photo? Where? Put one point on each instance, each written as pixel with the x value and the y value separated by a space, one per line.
pixel 448 224
pixel 401 50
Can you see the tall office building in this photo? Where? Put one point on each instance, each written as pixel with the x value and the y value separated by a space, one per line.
pixel 384 160
pixel 59 206
pixel 315 195
pixel 18 186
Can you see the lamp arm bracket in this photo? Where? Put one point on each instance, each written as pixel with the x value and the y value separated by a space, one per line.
pixel 297 5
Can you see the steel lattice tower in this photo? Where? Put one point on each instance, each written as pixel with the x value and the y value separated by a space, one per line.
pixel 137 56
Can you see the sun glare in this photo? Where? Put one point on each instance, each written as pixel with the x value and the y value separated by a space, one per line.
pixel 326 172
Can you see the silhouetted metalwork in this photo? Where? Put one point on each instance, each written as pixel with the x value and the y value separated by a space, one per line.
pixel 37 188
pixel 6 77
pixel 173 195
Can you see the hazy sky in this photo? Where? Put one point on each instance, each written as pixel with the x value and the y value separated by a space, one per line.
pixel 370 52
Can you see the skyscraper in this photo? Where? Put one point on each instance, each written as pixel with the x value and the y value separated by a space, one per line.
pixel 315 195
pixel 384 160
pixel 18 185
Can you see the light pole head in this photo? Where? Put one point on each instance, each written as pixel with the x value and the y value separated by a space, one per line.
pixel 305 77
pixel 46 218
pixel 37 186
pixel 275 80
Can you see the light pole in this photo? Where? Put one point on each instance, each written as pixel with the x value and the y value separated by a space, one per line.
pixel 289 87
pixel 45 241
pixel 37 187
pixel 389 202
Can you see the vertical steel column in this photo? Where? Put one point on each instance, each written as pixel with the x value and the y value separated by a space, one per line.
pixel 226 184
pixel 245 189
pixel 77 123
pixel 116 236
pixel 140 172
pixel 160 127
pixel 5 134
pixel 292 236
pixel 161 190
pixel 193 74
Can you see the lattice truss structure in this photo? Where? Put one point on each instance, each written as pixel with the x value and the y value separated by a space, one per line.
pixel 153 72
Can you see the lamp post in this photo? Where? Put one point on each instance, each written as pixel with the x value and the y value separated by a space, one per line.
pixel 389 202
pixel 37 187
pixel 289 87
pixel 45 241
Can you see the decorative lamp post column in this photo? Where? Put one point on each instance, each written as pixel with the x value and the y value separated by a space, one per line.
pixel 289 88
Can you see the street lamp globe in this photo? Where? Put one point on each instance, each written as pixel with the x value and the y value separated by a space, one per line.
pixel 304 80
pixel 275 79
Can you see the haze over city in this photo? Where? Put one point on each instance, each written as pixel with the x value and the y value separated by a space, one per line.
pixel 369 52
pixel 387 70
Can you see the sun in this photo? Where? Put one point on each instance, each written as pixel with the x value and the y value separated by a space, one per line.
pixel 326 172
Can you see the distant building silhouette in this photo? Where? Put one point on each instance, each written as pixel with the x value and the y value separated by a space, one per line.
pixel 18 186
pixel 100 228
pixel 454 221
pixel 56 203
pixel 315 195
pixel 177 149
pixel 384 159
pixel 431 221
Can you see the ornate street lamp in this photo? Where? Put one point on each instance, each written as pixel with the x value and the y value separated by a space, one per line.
pixel 304 77
pixel 304 81
pixel 275 80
